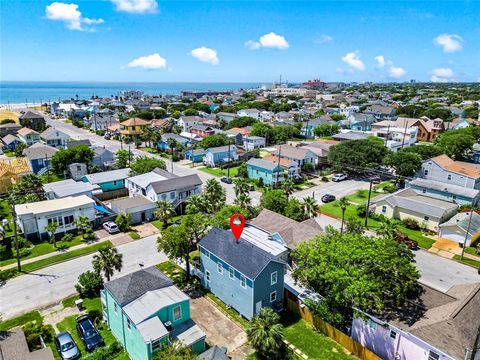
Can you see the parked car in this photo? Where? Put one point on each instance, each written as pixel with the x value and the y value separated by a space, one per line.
pixel 66 347
pixel 339 177
pixel 328 198
pixel 87 332
pixel 226 180
pixel 111 227
pixel 404 239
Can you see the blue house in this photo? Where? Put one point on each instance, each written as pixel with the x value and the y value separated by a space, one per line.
pixel 10 142
pixel 240 273
pixel 163 143
pixel 268 171
pixel 358 121
pixel 220 155
pixel 195 155
pixel 108 180
pixel 39 156
pixel 145 312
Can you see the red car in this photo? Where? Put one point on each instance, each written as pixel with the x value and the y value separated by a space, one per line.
pixel 404 239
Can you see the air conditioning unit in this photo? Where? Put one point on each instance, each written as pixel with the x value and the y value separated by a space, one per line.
pixel 168 325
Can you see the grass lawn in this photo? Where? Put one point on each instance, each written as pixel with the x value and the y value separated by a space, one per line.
pixel 219 172
pixel 5 212
pixel 159 224
pixel 470 262
pixel 471 250
pixel 6 114
pixel 314 344
pixel 8 153
pixel 173 271
pixel 134 235
pixel 20 320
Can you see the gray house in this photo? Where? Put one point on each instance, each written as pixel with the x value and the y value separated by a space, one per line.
pixel 103 158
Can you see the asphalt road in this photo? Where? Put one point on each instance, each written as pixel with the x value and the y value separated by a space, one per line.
pixel 50 285
pixel 338 189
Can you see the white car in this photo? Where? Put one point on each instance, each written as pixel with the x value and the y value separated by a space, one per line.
pixel 339 177
pixel 111 227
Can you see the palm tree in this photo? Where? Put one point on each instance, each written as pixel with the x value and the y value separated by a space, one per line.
pixel 214 195
pixel 388 228
pixel 343 203
pixel 195 204
pixel 310 207
pixel 288 187
pixel 82 223
pixel 265 334
pixel 164 212
pixel 107 261
pixel 241 186
pixel 52 229
pixel 243 201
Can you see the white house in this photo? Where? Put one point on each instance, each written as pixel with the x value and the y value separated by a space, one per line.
pixel 254 113
pixel 68 188
pixel 33 218
pixel 456 228
pixel 396 137
pixel 253 142
pixel 54 137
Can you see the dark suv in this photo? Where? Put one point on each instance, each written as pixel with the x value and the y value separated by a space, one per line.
pixel 87 332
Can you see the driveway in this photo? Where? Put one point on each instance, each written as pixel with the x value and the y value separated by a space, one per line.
pixel 220 330
pixel 338 189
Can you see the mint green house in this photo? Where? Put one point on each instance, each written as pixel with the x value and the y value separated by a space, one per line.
pixel 145 311
pixel 268 171
pixel 108 180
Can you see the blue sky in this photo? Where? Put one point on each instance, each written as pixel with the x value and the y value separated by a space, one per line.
pixel 239 41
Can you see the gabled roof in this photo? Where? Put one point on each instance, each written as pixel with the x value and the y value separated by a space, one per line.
pixel 176 184
pixel 130 287
pixel 247 258
pixel 444 187
pixel 30 114
pixel 462 220
pixel 459 167
pixel 102 177
pixel 53 132
pixel 26 131
pixel 292 152
pixel 263 164
pixel 8 139
pixel 237 130
pixel 39 151
pixel 283 162
pixel 221 149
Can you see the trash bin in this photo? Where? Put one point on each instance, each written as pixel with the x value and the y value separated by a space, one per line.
pixel 79 304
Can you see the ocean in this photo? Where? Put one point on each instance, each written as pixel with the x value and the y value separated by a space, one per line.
pixel 17 92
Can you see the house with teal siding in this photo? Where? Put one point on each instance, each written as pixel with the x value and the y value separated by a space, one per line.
pixel 145 312
pixel 242 274
pixel 108 180
pixel 268 171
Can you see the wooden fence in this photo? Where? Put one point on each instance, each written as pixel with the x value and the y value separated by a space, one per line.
pixel 112 194
pixel 346 341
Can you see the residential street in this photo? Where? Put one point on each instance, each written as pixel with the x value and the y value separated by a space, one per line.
pixel 338 189
pixel 50 285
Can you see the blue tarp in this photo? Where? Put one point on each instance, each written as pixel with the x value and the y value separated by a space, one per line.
pixel 102 209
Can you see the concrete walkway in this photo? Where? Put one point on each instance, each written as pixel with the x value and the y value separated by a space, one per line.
pixel 448 249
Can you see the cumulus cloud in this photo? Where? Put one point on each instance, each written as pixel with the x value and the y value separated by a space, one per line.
pixel 270 40
pixel 148 62
pixel 205 54
pixel 396 72
pixel 136 6
pixel 353 60
pixel 380 61
pixel 323 39
pixel 71 16
pixel 449 42
pixel 442 75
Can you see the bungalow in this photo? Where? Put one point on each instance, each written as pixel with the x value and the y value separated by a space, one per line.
pixel 408 204
pixel 220 155
pixel 39 156
pixel 108 180
pixel 309 126
pixel 12 170
pixel 103 158
pixel 346 135
pixel 243 275
pixel 301 156
pixel 28 136
pixel 186 122
pixel 140 208
pixel 145 312
pixel 54 137
pixel 67 188
pixel 195 155
pixel 269 172
pixel 33 120
pixel 253 142
pixel 225 116
pixel 457 227
pixel 33 218
pixel 202 130
pixel 253 113
pixel 10 142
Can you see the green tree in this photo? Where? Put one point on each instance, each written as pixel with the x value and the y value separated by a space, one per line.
pixel 241 186
pixel 456 144
pixel 51 229
pixel 214 141
pixel 405 163
pixel 326 130
pixel 337 117
pixel 215 196
pixel 265 334
pixel 122 158
pixel 295 210
pixel 123 221
pixel 82 223
pixel 76 154
pixel 144 164
pixel 175 351
pixel 388 228
pixel 89 284
pixel 221 218
pixel 310 207
pixel 425 151
pixel 19 149
pixel 164 211
pixel 354 226
pixel 190 112
pixel 107 261
pixel 196 204
pixel 274 200
pixel 358 155
pixel 288 187
pixel 343 204
pixel 244 201
pixel 241 122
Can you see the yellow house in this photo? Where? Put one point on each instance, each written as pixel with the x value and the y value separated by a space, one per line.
pixel 11 170
pixel 133 127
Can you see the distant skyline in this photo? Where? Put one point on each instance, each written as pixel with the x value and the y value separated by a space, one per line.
pixel 239 41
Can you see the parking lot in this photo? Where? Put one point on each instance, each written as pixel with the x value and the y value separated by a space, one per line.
pixel 338 189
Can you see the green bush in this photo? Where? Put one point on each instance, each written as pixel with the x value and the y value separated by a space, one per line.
pixel 389 188
pixel 33 331
pixel 89 234
pixel 24 252
pixel 361 210
pixel 109 352
pixel 325 179
pixel 411 224
pixel 68 237
pixel 8 274
pixel 89 284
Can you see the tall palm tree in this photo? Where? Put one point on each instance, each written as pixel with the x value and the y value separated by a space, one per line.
pixel 265 334
pixel 288 187
pixel 243 201
pixel 164 212
pixel 343 203
pixel 107 261
pixel 196 204
pixel 241 186
pixel 310 207
pixel 388 228
pixel 82 223
pixel 214 195
pixel 52 229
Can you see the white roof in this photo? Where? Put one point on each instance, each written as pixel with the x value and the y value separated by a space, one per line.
pixel 68 187
pixel 152 301
pixel 191 335
pixel 144 180
pixel 46 206
pixel 152 329
pixel 262 240
pixel 102 177
pixel 189 135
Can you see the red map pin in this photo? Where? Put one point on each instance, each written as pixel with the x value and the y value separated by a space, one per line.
pixel 237 223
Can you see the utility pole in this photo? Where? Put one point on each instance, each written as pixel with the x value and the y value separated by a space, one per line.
pixel 368 203
pixel 129 155
pixel 278 162
pixel 228 166
pixel 17 248
pixel 468 230
pixel 47 164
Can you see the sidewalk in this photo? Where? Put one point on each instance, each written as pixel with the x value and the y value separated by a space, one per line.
pixel 448 249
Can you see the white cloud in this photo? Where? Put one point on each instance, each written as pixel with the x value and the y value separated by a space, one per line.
pixel 449 42
pixel 205 54
pixel 396 72
pixel 70 15
pixel 148 62
pixel 136 6
pixel 323 39
pixel 353 60
pixel 380 61
pixel 442 75
pixel 270 40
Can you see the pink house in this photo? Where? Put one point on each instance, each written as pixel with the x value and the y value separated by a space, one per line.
pixel 437 326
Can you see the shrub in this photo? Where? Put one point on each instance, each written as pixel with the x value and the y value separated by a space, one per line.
pixel 62 245
pixel 123 222
pixel 24 252
pixel 7 274
pixel 33 331
pixel 89 284
pixel 89 234
pixel 361 210
pixel 68 237
pixel 362 193
pixel 259 182
pixel 411 224
pixel 109 352
pixel 325 179
pixel 389 188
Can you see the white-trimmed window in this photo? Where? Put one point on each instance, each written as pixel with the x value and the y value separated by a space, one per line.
pixel 115 182
pixel 273 296
pixel 433 355
pixel 393 334
pixel 207 275
pixel 219 268
pixel 243 281
pixel 177 313
pixel 156 345
pixel 231 273
pixel 273 278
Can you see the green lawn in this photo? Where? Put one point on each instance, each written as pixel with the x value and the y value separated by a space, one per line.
pixel 219 172
pixel 314 344
pixel 159 224
pixel 5 212
pixel 20 320
pixel 470 262
pixel 134 235
pixel 173 271
pixel 471 250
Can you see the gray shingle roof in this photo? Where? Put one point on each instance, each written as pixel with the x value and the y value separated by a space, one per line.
pixel 39 151
pixel 263 164
pixel 177 183
pixel 214 353
pixel 132 286
pixel 242 255
pixel 102 177
pixel 444 187
pixel 30 114
pixel 220 149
